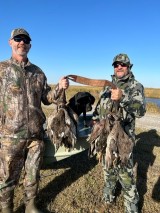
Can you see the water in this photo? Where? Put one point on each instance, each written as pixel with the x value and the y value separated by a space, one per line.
pixel 154 100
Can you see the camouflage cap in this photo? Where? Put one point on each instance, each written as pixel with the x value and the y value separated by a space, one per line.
pixel 121 58
pixel 19 31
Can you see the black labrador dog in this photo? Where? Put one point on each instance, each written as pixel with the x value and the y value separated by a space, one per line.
pixel 81 102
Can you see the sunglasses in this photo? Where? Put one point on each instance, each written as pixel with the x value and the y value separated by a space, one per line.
pixel 24 39
pixel 119 63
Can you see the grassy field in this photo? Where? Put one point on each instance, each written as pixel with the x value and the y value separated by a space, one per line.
pixel 152 93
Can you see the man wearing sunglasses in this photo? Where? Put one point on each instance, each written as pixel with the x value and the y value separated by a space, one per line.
pixel 23 86
pixel 128 100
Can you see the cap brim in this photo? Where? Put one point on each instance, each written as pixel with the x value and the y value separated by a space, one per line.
pixel 21 34
pixel 120 62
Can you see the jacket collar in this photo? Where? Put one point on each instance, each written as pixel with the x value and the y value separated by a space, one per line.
pixel 21 64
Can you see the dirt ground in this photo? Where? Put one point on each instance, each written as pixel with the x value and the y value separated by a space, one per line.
pixel 75 185
pixel 149 121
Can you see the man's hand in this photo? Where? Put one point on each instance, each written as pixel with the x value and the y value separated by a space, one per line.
pixel 92 123
pixel 63 83
pixel 116 94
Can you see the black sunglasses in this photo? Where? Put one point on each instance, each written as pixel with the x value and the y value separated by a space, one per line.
pixel 24 39
pixel 119 63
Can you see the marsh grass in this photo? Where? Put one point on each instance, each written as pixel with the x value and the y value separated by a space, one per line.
pixel 153 108
pixel 152 93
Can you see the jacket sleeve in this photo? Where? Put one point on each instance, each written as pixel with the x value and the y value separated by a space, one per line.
pixel 50 95
pixel 133 101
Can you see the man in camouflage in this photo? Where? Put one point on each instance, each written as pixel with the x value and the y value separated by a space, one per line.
pixel 130 97
pixel 23 86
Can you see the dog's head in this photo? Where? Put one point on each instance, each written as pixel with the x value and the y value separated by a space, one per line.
pixel 81 101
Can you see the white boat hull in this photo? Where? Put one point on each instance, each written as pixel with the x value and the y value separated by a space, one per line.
pixel 50 155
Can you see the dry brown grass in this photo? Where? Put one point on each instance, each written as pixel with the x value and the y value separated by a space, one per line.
pixel 153 108
pixel 152 93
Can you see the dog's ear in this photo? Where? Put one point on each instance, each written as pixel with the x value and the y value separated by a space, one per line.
pixel 92 99
pixel 76 99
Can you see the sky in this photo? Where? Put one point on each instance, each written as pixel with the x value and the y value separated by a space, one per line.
pixel 81 37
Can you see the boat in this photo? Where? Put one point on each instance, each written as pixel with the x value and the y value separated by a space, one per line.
pixel 51 155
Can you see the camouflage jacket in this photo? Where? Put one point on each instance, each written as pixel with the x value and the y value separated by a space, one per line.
pixel 132 103
pixel 22 89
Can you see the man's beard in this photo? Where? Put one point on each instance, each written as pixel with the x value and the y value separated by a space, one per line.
pixel 20 52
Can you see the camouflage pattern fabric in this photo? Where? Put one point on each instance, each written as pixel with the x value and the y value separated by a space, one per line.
pixel 22 88
pixel 13 154
pixel 126 178
pixel 122 58
pixel 133 106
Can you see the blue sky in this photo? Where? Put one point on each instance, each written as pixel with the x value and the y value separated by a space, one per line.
pixel 82 36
